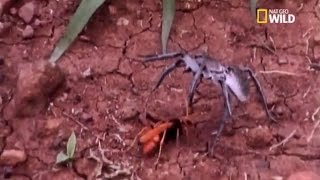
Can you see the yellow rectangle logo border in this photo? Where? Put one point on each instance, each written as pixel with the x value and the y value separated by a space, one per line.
pixel 265 20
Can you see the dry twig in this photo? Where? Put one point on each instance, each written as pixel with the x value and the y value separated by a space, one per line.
pixel 75 120
pixel 279 72
pixel 313 116
pixel 316 125
pixel 307 92
pixel 300 7
pixel 284 141
pixel 115 169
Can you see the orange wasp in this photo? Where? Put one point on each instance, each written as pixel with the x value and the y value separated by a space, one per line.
pixel 150 138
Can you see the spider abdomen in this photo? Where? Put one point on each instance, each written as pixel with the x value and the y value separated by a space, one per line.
pixel 237 82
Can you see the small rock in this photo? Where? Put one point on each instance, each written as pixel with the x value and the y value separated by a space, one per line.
pixel 28 32
pixel 86 116
pixel 76 111
pixel 13 11
pixel 316 52
pixel 52 124
pixel 283 60
pixel 280 110
pixel 128 110
pixel 304 175
pixel 37 22
pixel 12 157
pixel 87 73
pixel 259 137
pixel 27 11
pixel 122 21
pixel 50 127
pixel 112 10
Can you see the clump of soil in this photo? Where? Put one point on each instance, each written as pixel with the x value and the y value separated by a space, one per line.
pixel 36 83
pixel 259 137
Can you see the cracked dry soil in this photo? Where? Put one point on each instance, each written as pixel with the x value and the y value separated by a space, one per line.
pixel 107 86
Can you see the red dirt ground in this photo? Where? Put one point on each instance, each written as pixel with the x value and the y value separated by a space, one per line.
pixel 110 102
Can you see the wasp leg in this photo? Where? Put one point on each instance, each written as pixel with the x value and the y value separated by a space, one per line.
pixel 149 58
pixel 166 72
pixel 160 148
pixel 226 114
pixel 261 94
pixel 193 86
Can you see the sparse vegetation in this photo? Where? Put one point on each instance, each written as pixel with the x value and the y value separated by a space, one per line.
pixel 87 8
pixel 71 148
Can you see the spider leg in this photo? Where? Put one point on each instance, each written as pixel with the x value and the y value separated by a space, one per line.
pixel 226 114
pixel 193 86
pixel 261 94
pixel 165 72
pixel 149 58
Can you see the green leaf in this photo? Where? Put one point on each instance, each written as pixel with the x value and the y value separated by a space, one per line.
pixel 75 26
pixel 71 145
pixel 253 8
pixel 61 157
pixel 168 12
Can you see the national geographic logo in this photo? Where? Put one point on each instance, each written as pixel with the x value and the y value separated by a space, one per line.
pixel 275 16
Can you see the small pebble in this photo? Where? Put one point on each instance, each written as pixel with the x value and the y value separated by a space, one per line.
pixel 87 73
pixel 37 22
pixel 53 124
pixel 122 21
pixel 86 116
pixel 12 157
pixel 283 60
pixel 27 11
pixel 28 32
pixel 112 10
pixel 13 11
